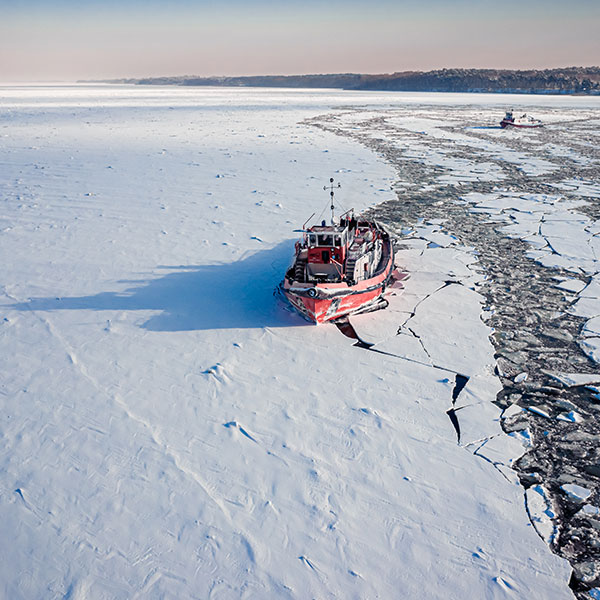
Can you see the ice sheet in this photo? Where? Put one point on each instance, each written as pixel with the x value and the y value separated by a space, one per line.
pixel 170 429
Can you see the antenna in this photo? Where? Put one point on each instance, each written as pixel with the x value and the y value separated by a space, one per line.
pixel 331 187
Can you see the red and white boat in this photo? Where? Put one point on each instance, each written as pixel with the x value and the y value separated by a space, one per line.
pixel 340 269
pixel 523 121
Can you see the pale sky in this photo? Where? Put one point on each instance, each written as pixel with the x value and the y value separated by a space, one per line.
pixel 93 39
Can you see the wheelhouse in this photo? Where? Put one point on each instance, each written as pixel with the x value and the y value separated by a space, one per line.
pixel 326 250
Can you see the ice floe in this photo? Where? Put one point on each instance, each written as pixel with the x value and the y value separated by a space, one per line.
pixel 576 492
pixel 541 512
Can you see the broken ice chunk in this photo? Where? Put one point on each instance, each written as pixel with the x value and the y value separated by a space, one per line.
pixel 591 348
pixel 541 512
pixel 576 379
pixel 523 436
pixel 511 411
pixel 572 285
pixel 592 327
pixel 540 410
pixel 576 492
pixel 570 417
pixel 590 509
pixel 585 307
pixel 520 378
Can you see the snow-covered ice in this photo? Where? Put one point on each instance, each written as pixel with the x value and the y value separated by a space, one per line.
pixel 576 492
pixel 541 512
pixel 171 430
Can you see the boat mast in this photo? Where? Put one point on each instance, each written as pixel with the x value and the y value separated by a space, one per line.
pixel 331 187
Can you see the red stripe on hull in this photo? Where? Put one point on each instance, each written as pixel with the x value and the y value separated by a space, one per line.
pixel 322 310
pixel 343 300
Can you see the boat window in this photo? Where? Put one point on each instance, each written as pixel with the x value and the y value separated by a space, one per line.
pixel 338 241
pixel 324 239
pixel 312 240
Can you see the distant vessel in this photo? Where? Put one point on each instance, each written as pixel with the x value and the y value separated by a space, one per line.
pixel 340 269
pixel 523 121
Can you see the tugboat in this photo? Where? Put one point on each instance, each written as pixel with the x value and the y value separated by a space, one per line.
pixel 523 121
pixel 340 269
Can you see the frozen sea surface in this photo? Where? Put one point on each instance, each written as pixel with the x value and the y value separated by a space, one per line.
pixel 170 429
pixel 526 203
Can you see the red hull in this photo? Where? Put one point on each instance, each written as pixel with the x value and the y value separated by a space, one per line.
pixel 334 300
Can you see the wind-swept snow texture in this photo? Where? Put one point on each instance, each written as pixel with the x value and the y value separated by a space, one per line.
pixel 169 429
pixel 525 202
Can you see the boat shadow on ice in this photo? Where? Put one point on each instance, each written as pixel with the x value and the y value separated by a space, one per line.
pixel 239 294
